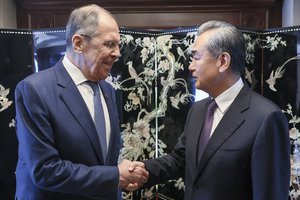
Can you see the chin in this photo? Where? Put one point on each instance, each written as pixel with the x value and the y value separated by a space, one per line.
pixel 104 76
pixel 197 85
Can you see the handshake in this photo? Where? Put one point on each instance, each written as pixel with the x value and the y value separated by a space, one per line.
pixel 132 175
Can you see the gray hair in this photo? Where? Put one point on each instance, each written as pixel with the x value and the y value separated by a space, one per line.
pixel 84 21
pixel 226 38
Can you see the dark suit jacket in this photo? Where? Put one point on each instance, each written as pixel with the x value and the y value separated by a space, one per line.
pixel 247 157
pixel 59 150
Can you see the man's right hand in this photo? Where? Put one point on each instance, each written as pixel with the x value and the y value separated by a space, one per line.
pixel 132 175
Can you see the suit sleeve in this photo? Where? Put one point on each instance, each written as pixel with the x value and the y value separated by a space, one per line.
pixel 271 159
pixel 41 159
pixel 170 166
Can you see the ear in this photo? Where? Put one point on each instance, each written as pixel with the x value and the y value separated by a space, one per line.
pixel 78 43
pixel 224 61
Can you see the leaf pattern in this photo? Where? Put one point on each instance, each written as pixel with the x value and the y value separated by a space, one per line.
pixel 4 101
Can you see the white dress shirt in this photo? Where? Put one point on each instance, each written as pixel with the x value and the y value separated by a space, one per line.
pixel 87 93
pixel 224 100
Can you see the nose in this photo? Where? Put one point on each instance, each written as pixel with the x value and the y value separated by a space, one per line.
pixel 191 66
pixel 116 52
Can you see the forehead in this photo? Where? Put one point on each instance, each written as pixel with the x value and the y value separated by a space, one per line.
pixel 201 41
pixel 199 44
pixel 108 27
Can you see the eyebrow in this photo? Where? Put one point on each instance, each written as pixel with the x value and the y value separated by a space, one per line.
pixel 194 52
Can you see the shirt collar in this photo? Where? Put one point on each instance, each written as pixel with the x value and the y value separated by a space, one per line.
pixel 75 73
pixel 225 99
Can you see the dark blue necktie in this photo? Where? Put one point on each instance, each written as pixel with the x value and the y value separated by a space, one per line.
pixel 206 129
pixel 99 119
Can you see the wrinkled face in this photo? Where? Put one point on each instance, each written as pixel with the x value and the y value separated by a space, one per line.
pixel 204 67
pixel 101 51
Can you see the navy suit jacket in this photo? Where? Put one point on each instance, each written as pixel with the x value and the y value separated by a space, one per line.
pixel 59 150
pixel 247 157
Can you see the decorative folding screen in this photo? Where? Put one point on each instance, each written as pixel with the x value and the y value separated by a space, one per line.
pixel 15 64
pixel 154 89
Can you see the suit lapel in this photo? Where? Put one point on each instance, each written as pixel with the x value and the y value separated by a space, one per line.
pixel 72 98
pixel 230 122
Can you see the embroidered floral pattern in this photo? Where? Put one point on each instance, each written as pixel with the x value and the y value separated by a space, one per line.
pixel 150 95
pixel 4 101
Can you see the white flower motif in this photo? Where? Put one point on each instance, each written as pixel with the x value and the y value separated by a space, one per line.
pixel 164 43
pixel 178 66
pixel 246 36
pixel 295 157
pixel 140 92
pixel 142 128
pixel 147 41
pixel 4 102
pixel 144 54
pixel 148 72
pixel 179 183
pixel 189 39
pixel 113 81
pixel 294 120
pixel 12 123
pixel 294 133
pixel 138 41
pixel 127 38
pixel 283 43
pixel 250 46
pixel 178 99
pixel 164 65
pixel 134 98
pixel 273 42
pixel 132 146
pixel 294 194
pixel 128 106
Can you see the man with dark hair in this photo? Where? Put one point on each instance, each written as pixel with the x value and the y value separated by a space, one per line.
pixel 239 148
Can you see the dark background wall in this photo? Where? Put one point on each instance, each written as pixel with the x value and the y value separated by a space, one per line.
pixel 137 14
pixel 156 14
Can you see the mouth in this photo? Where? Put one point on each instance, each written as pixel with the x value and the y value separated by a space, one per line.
pixel 116 60
pixel 109 64
pixel 111 61
pixel 193 78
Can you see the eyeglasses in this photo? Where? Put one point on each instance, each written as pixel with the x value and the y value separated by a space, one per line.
pixel 108 44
